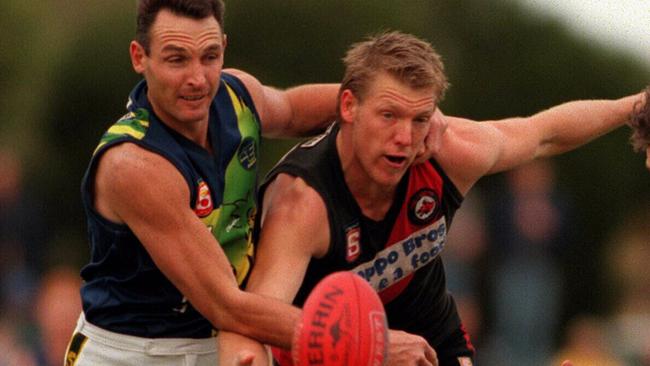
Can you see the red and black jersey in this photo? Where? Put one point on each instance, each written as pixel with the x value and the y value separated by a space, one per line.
pixel 400 255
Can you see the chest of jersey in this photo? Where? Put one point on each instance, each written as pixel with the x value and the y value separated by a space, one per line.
pixel 388 253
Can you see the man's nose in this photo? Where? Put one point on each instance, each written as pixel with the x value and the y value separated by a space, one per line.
pixel 196 75
pixel 404 133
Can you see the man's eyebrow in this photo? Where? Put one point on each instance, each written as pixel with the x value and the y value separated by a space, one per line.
pixel 213 48
pixel 173 48
pixel 428 111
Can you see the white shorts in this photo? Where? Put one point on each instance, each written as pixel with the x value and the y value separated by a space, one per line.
pixel 91 345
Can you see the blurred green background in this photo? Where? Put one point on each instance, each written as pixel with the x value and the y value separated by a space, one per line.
pixel 65 75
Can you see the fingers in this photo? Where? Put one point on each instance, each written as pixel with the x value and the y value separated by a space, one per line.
pixel 410 350
pixel 431 356
pixel 439 125
pixel 433 140
pixel 567 363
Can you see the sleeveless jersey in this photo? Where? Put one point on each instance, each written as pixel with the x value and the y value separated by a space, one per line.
pixel 398 256
pixel 124 291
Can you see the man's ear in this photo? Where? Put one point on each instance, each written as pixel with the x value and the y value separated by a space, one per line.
pixel 349 105
pixel 138 56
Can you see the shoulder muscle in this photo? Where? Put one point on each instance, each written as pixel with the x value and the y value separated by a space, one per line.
pixel 130 178
pixel 290 200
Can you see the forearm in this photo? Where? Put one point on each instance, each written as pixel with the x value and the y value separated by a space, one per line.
pixel 264 319
pixel 203 274
pixel 573 124
pixel 268 320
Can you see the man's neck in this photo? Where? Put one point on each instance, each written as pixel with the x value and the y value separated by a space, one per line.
pixel 374 200
pixel 195 131
pixel 374 203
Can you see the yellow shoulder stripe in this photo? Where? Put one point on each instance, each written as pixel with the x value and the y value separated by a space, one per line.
pixel 126 130
pixel 239 108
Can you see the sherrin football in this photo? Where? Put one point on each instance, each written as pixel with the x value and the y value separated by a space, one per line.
pixel 343 323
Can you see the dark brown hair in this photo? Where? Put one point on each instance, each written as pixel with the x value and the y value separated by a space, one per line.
pixel 640 123
pixel 197 9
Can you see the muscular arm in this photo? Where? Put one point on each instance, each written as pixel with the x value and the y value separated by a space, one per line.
pixel 144 191
pixel 296 112
pixel 470 150
pixel 295 228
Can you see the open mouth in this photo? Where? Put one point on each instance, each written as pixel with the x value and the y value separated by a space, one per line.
pixel 394 159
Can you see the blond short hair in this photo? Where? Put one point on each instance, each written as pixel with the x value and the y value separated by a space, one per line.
pixel 404 56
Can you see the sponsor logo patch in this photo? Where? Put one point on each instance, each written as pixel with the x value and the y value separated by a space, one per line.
pixel 423 206
pixel 204 204
pixel 400 259
pixel 247 153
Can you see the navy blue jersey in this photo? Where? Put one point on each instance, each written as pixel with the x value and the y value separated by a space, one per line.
pixel 399 255
pixel 124 291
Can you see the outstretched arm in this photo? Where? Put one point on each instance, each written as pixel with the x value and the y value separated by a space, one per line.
pixel 296 112
pixel 471 150
pixel 190 257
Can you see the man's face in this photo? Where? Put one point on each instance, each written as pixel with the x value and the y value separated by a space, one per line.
pixel 390 124
pixel 182 68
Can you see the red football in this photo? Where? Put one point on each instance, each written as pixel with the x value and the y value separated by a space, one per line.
pixel 343 323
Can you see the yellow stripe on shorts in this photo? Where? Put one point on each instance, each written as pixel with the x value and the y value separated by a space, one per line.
pixel 74 348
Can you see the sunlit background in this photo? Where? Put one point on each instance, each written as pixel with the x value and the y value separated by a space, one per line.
pixel 547 262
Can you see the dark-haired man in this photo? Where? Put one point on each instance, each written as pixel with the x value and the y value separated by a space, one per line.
pixel 169 197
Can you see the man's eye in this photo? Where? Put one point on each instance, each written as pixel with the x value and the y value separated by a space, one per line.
pixel 211 58
pixel 175 60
